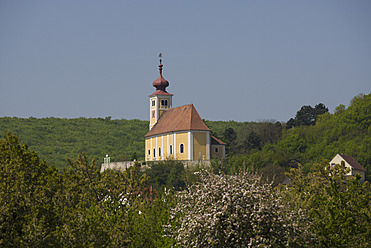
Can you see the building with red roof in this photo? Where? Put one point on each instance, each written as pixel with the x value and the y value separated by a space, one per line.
pixel 349 162
pixel 177 133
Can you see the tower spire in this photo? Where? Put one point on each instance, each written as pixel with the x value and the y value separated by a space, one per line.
pixel 160 100
pixel 160 83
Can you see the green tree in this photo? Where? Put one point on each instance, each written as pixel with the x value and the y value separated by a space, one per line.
pixel 169 173
pixel 97 209
pixel 79 207
pixel 319 109
pixel 27 189
pixel 337 207
pixel 339 109
pixel 307 115
pixel 357 98
pixel 290 123
pixel 254 141
pixel 230 135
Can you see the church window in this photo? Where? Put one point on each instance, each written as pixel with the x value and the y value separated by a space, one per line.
pixel 154 152
pixel 159 151
pixel 153 114
pixel 149 152
pixel 171 149
pixel 181 148
pixel 216 149
pixel 153 103
pixel 164 103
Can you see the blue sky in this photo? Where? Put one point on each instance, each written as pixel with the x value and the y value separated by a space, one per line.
pixel 234 60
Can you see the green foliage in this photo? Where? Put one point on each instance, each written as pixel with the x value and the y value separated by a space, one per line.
pixel 339 109
pixel 78 207
pixel 169 173
pixel 307 115
pixel 347 132
pixel 338 207
pixel 246 137
pixel 110 209
pixel 27 190
pixel 56 139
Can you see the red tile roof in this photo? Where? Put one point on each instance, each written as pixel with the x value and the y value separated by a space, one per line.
pixel 161 92
pixel 350 160
pixel 215 141
pixel 182 118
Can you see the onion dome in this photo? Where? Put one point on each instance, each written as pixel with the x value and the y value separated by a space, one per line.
pixel 160 83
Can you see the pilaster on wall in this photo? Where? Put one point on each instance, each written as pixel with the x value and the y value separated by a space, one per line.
pixel 208 146
pixel 175 148
pixel 190 145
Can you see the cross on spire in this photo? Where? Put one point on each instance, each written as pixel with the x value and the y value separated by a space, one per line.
pixel 160 56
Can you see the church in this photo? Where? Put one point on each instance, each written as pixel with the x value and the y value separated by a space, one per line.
pixel 177 133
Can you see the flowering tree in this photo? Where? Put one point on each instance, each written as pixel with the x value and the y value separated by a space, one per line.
pixel 233 211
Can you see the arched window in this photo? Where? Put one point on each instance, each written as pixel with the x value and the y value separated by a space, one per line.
pixel 154 152
pixel 181 148
pixel 171 149
pixel 159 151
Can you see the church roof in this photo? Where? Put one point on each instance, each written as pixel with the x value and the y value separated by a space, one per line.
pixel 215 141
pixel 161 92
pixel 350 160
pixel 182 118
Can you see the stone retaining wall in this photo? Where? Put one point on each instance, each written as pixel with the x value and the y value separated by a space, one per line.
pixel 122 166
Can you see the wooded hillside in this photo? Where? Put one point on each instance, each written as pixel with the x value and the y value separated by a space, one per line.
pixel 345 131
pixel 269 146
pixel 56 139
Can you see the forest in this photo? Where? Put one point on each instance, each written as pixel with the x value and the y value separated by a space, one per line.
pixel 56 139
pixel 270 147
pixel 167 205
pixel 53 195
pixel 310 139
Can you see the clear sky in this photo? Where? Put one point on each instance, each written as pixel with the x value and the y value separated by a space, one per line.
pixel 234 60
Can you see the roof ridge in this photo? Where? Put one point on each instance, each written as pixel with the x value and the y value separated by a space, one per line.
pixel 352 162
pixel 191 119
pixel 218 140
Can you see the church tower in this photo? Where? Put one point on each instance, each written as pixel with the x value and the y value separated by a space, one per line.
pixel 160 100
